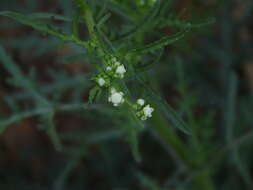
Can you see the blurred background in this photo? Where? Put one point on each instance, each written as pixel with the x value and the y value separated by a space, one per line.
pixel 207 77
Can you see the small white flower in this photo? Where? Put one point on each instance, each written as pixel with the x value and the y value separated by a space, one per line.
pixel 143 111
pixel 116 97
pixel 120 70
pixel 147 110
pixel 108 68
pixel 141 102
pixel 101 81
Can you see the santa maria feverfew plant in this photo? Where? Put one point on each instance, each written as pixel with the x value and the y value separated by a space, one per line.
pixel 117 60
pixel 116 40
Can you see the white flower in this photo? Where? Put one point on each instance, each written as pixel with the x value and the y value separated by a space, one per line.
pixel 101 81
pixel 114 68
pixel 120 70
pixel 147 110
pixel 141 102
pixel 108 68
pixel 143 111
pixel 116 97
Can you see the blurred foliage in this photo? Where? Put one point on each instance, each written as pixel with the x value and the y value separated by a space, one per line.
pixel 192 59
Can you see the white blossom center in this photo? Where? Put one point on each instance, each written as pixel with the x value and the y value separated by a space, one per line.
pixel 141 102
pixel 116 97
pixel 101 82
pixel 120 69
pixel 147 110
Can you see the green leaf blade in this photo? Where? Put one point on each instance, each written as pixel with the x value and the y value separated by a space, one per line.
pixel 165 41
pixel 143 23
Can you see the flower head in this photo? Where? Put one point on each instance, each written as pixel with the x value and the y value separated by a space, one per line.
pixel 143 111
pixel 114 68
pixel 147 110
pixel 116 98
pixel 101 81
pixel 120 71
pixel 141 102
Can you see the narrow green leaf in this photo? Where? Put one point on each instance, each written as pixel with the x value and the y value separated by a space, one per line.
pixel 182 23
pixel 103 20
pixel 165 5
pixel 167 40
pixel 143 23
pixel 19 77
pixel 230 123
pixel 148 66
pixel 26 20
pixel 44 28
pixel 134 142
pixel 102 9
pixel 17 117
pixel 99 93
pixel 112 7
pixel 65 173
pixel 51 130
pixel 242 168
pixel 132 137
pixel 174 117
pixel 49 16
pixel 107 43
pixel 94 92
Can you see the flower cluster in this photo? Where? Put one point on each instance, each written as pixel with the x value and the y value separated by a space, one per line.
pixel 102 80
pixel 114 69
pixel 143 111
pixel 116 98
